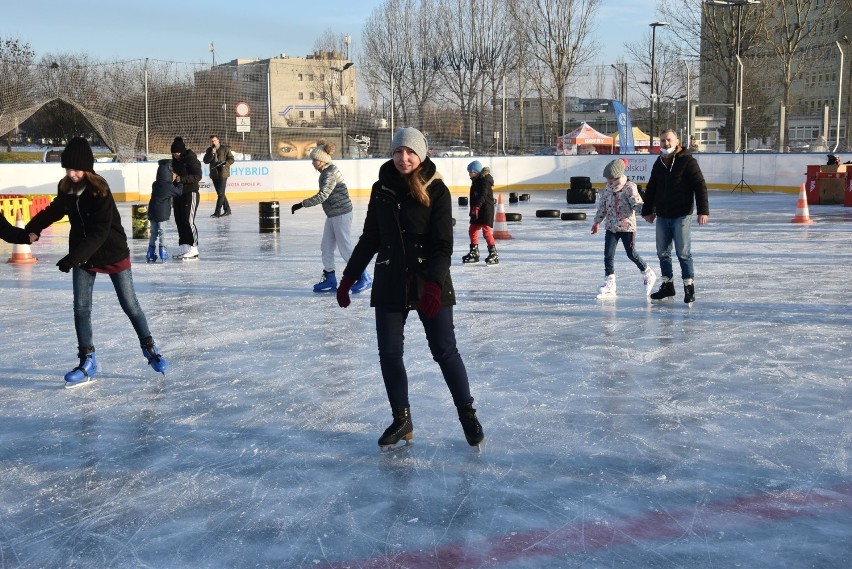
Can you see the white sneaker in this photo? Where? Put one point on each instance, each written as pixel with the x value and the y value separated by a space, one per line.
pixel 608 288
pixel 648 279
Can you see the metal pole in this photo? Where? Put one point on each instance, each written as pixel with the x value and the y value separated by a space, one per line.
pixel 738 111
pixel 651 121
pixel 839 99
pixel 392 129
pixel 688 101
pixel 269 107
pixel 146 109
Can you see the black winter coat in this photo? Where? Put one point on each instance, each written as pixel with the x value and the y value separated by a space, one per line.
pixel 482 196
pixel 97 237
pixel 413 243
pixel 12 234
pixel 189 169
pixel 163 190
pixel 672 190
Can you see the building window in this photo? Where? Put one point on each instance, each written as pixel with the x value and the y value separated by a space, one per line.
pixel 300 76
pixel 312 114
pixel 301 114
pixel 313 96
pixel 301 96
pixel 311 77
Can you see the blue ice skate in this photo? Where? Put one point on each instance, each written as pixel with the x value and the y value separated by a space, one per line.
pixel 164 254
pixel 85 372
pixel 363 283
pixel 151 256
pixel 152 354
pixel 328 283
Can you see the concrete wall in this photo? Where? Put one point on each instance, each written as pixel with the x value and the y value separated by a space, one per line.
pixel 292 179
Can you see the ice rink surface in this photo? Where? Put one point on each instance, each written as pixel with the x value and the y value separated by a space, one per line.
pixel 618 433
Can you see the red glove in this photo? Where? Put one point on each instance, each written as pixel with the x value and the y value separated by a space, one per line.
pixel 430 300
pixel 474 213
pixel 343 291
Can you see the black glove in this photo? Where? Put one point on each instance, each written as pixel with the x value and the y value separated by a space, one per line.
pixel 65 264
pixel 296 206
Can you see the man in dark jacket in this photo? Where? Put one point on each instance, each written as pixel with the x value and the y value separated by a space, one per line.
pixel 676 182
pixel 220 158
pixel 186 166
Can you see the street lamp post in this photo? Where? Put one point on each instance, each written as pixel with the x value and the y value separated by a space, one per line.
pixel 622 89
pixel 343 101
pixel 738 104
pixel 840 96
pixel 654 27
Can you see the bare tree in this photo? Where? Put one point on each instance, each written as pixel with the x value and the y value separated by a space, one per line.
pixel 16 57
pixel 559 33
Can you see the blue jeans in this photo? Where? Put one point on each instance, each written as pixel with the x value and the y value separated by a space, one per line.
pixel 628 238
pixel 158 232
pixel 84 282
pixel 441 336
pixel 675 230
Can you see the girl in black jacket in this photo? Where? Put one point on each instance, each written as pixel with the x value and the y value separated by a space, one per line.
pixel 481 213
pixel 96 244
pixel 409 226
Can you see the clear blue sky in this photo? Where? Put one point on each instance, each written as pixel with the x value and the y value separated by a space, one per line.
pixel 182 31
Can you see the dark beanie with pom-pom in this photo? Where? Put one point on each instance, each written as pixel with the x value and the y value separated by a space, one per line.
pixel 78 155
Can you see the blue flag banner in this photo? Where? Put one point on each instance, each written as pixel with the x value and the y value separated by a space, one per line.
pixel 625 128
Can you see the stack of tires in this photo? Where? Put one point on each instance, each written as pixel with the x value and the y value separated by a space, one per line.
pixel 581 190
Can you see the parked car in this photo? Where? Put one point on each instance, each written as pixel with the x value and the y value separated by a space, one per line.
pixel 453 151
pixel 52 154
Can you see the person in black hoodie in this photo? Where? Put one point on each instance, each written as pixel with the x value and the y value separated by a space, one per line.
pixel 409 226
pixel 481 213
pixel 96 244
pixel 675 184
pixel 186 166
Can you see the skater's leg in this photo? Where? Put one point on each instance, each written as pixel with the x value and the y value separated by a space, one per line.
pixel 664 245
pixel 193 209
pixel 440 333
pixel 123 284
pixel 628 239
pixel 327 245
pixel 683 245
pixel 83 281
pixel 610 243
pixel 390 335
pixel 488 234
pixel 473 233
pixel 342 226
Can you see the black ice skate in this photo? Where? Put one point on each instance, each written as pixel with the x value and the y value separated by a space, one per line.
pixel 402 429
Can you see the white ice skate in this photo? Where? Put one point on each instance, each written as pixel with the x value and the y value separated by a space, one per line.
pixel 607 290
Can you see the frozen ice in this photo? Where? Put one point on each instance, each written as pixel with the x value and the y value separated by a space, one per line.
pixel 619 433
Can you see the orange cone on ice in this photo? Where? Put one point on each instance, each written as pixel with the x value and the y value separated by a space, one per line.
pixel 802 213
pixel 21 254
pixel 501 228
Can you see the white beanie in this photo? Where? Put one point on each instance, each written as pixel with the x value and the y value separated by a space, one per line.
pixel 413 139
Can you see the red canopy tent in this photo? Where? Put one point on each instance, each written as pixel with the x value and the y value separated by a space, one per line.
pixel 584 135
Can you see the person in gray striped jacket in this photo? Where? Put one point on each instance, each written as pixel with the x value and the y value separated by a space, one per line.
pixel 334 197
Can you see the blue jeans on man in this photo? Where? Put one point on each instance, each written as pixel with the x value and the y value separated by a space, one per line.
pixel 675 230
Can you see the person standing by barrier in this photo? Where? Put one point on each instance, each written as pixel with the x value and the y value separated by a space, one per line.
pixel 220 158
pixel 409 227
pixel 334 197
pixel 97 243
pixel 165 188
pixel 481 213
pixel 186 166
pixel 675 184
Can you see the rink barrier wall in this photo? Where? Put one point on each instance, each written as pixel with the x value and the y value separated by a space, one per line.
pixel 285 180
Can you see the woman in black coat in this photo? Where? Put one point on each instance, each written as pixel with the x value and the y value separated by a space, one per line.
pixel 96 244
pixel 409 227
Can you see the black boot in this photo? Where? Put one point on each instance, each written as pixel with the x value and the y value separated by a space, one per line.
pixel 472 429
pixel 492 258
pixel 688 293
pixel 666 290
pixel 473 256
pixel 401 428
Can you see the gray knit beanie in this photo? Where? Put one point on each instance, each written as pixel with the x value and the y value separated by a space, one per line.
pixel 413 139
pixel 614 169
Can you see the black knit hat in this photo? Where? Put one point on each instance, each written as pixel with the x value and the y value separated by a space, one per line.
pixel 178 146
pixel 78 155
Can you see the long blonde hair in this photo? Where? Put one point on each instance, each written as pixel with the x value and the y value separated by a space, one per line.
pixel 418 186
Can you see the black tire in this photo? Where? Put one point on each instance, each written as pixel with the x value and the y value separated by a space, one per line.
pixel 513 216
pixel 547 213
pixel 573 216
pixel 576 196
pixel 513 195
pixel 462 200
pixel 525 197
pixel 513 199
pixel 580 181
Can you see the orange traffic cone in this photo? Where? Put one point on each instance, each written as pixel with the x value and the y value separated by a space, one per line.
pixel 802 214
pixel 21 254
pixel 501 228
